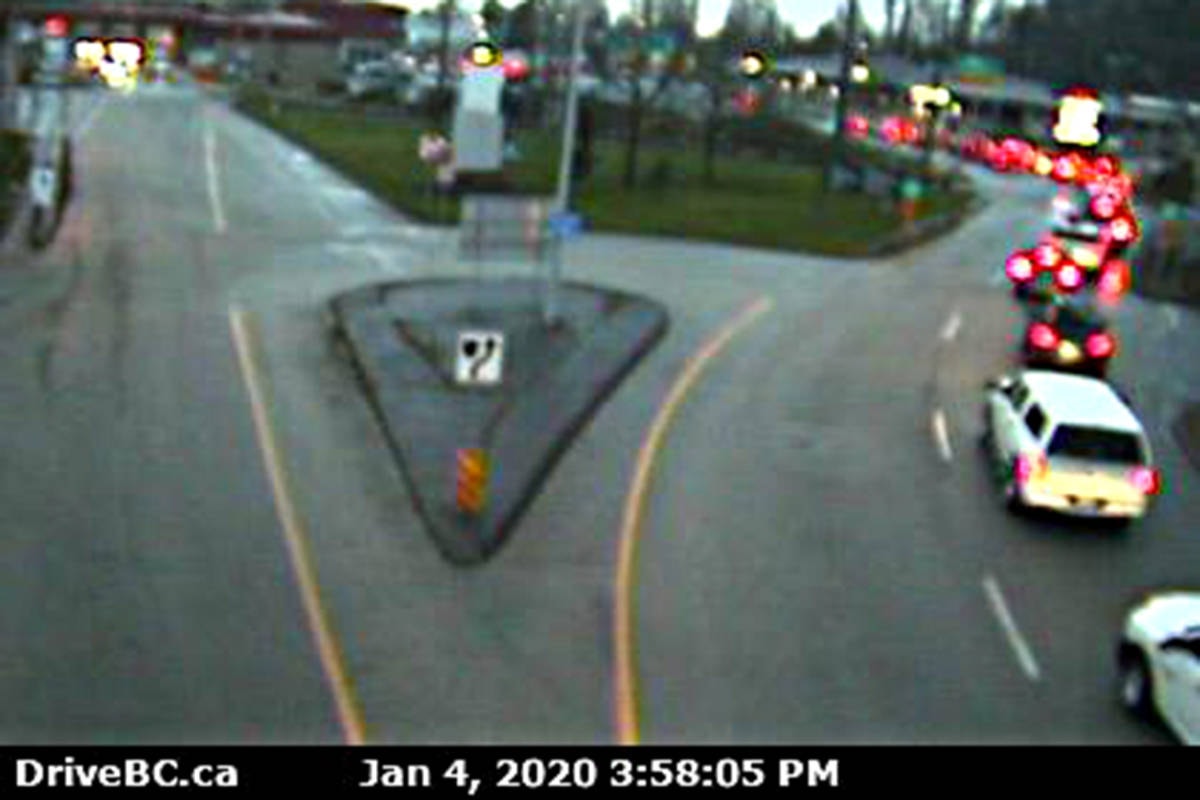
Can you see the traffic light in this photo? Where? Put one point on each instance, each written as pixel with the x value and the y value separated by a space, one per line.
pixel 57 26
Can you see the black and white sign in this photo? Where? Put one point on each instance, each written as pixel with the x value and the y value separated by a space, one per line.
pixel 42 182
pixel 480 358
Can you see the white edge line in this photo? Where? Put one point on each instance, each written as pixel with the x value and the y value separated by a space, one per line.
pixel 214 181
pixel 1024 654
pixel 1172 315
pixel 941 435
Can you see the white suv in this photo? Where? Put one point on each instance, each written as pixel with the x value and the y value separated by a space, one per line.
pixel 1159 662
pixel 1067 443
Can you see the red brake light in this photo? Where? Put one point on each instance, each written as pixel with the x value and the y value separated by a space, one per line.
pixel 1069 277
pixel 1019 268
pixel 1146 480
pixel 1030 467
pixel 1104 206
pixel 1114 279
pixel 1043 336
pixel 1065 169
pixel 1100 345
pixel 1047 255
pixel 1104 167
pixel 1122 230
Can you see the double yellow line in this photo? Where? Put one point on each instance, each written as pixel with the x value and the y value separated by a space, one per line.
pixel 628 721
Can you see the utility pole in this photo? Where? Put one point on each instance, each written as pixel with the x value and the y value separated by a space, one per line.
pixel 562 199
pixel 8 78
pixel 845 84
pixel 448 11
pixel 571 117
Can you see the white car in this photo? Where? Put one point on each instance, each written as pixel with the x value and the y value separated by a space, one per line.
pixel 1159 662
pixel 1067 443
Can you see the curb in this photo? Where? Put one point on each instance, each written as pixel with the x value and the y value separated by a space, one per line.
pixel 531 451
pixel 927 229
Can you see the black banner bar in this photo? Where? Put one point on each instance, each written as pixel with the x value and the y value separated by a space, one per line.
pixel 646 771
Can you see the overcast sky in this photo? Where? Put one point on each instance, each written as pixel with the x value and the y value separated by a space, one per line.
pixel 805 15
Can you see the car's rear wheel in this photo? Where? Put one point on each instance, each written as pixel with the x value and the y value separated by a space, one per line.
pixel 1135 683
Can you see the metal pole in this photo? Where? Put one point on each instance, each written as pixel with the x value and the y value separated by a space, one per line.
pixel 571 121
pixel 562 200
pixel 843 98
pixel 934 110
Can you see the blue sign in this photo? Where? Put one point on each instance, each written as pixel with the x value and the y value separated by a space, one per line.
pixel 565 224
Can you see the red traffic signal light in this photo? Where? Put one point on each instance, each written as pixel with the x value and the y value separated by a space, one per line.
pixel 57 26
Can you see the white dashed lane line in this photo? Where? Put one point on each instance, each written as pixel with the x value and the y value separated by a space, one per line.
pixel 941 435
pixel 1008 625
pixel 951 328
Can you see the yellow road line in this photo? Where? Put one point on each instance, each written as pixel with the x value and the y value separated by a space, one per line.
pixel 246 341
pixel 627 708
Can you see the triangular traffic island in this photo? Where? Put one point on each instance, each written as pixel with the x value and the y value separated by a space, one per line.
pixel 478 396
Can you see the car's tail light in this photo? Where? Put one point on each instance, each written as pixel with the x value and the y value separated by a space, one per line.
pixel 1100 345
pixel 1031 467
pixel 1146 480
pixel 858 126
pixel 1065 169
pixel 1043 336
pixel 1047 255
pixel 1019 268
pixel 1114 279
pixel 1069 277
pixel 1104 206
pixel 1123 230
pixel 1104 167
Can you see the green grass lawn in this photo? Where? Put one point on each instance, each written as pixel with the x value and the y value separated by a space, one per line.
pixel 755 202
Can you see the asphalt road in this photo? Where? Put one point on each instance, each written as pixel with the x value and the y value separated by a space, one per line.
pixel 198 540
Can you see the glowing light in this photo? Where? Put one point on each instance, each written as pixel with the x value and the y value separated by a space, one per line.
pixel 1019 268
pixel 860 73
pixel 1122 230
pixel 1047 255
pixel 483 55
pixel 1079 119
pixel 1114 280
pixel 1069 277
pixel 858 126
pixel 753 64
pixel 1030 467
pixel 127 54
pixel 1146 480
pixel 57 27
pixel 1104 206
pixel 89 53
pixel 1100 345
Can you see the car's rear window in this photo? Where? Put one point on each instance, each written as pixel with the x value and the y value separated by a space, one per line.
pixel 1086 235
pixel 1096 444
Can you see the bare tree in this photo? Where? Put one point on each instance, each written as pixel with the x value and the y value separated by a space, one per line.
pixel 905 42
pixel 889 30
pixel 966 23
